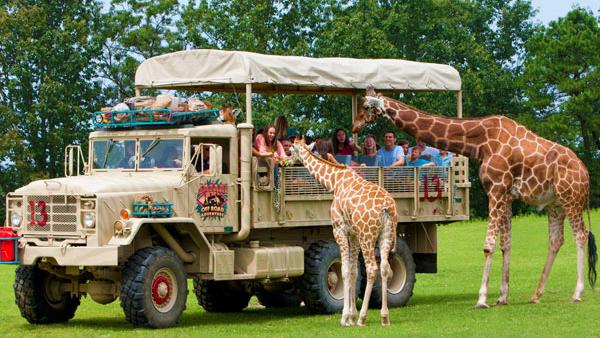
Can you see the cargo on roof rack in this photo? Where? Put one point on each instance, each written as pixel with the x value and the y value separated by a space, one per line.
pixel 152 117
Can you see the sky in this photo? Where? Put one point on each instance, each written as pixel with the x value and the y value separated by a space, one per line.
pixel 550 10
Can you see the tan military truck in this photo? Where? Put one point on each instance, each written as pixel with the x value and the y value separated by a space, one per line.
pixel 210 211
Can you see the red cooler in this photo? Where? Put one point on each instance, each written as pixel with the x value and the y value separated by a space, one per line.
pixel 8 246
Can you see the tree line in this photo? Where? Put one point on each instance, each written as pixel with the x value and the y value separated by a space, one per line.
pixel 61 60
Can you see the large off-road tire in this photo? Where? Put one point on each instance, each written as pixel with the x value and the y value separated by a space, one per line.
pixel 321 287
pixel 38 296
pixel 287 296
pixel 153 288
pixel 402 281
pixel 221 296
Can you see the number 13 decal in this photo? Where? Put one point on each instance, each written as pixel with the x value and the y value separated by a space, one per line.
pixel 42 206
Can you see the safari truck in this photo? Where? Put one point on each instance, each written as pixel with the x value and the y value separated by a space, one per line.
pixel 158 201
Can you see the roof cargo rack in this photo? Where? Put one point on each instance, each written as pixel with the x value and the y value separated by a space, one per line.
pixel 152 117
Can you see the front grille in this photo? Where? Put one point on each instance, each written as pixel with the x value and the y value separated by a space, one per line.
pixel 54 214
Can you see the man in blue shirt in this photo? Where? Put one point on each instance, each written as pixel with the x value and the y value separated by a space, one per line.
pixel 391 154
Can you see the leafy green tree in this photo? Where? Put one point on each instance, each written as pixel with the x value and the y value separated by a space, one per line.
pixel 46 72
pixel 562 83
pixel 132 31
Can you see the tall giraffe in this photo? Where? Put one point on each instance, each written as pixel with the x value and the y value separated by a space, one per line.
pixel 515 164
pixel 363 214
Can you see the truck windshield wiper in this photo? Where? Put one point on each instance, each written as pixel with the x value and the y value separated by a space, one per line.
pixel 108 150
pixel 152 145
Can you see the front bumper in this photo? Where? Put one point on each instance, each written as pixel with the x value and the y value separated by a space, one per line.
pixel 71 255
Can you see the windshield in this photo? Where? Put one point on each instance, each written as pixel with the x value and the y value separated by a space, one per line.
pixel 159 153
pixel 114 154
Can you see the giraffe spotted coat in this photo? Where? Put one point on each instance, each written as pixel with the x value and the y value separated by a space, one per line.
pixel 363 215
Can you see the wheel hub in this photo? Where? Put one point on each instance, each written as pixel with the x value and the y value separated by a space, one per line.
pixel 162 290
pixel 335 285
pixel 397 278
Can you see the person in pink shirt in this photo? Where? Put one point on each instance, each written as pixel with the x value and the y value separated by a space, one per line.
pixel 267 145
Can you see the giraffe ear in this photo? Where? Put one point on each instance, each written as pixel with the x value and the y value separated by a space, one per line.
pixel 371 91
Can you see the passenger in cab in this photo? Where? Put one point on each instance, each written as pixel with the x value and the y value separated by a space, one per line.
pixel 171 157
pixel 391 154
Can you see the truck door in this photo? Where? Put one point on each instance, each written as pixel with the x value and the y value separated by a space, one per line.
pixel 212 191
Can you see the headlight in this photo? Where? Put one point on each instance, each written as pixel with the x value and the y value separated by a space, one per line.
pixel 15 218
pixel 89 220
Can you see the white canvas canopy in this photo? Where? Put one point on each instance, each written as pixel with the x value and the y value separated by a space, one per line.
pixel 217 70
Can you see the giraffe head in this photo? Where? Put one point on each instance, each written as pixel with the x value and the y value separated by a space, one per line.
pixel 295 149
pixel 369 110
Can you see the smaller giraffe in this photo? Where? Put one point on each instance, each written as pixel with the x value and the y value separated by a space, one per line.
pixel 363 214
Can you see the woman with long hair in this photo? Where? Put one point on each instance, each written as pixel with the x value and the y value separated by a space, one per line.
pixel 341 144
pixel 267 144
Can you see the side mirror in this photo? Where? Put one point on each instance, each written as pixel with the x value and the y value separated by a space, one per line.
pixel 74 161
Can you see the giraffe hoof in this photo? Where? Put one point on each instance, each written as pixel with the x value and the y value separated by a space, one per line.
pixel 385 321
pixel 575 300
pixel 534 301
pixel 361 323
pixel 501 302
pixel 345 324
pixel 481 306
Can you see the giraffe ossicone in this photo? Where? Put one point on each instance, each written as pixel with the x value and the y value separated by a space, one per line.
pixel 363 215
pixel 515 164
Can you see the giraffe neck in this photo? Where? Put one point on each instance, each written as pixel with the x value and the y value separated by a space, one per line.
pixel 452 134
pixel 325 172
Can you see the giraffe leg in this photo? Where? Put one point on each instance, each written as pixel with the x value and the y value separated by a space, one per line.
pixel 371 267
pixel 386 271
pixel 581 237
pixel 497 207
pixel 344 244
pixel 354 251
pixel 556 218
pixel 505 246
pixel 387 240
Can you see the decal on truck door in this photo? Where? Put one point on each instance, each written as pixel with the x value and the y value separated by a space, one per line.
pixel 211 200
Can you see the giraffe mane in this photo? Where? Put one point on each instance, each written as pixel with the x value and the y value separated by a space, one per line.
pixel 340 166
pixel 449 117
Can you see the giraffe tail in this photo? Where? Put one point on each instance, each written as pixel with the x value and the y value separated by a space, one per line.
pixel 388 225
pixel 592 259
pixel 592 249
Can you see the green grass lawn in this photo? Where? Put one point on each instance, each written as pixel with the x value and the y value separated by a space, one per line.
pixel 442 305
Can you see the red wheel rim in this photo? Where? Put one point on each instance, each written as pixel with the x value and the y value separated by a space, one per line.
pixel 164 290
